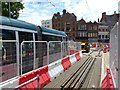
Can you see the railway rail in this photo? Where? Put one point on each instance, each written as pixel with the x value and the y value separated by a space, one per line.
pixel 76 80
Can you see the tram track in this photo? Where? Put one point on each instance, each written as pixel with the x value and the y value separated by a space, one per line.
pixel 75 81
pixel 76 77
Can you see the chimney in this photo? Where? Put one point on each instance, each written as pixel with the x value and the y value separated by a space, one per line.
pixel 98 19
pixel 114 12
pixel 58 13
pixel 64 11
pixel 104 16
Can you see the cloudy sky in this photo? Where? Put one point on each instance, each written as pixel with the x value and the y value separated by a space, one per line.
pixel 37 10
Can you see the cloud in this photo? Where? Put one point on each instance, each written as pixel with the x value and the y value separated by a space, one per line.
pixel 37 10
pixel 91 9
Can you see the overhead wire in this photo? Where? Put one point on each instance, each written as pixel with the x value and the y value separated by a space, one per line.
pixel 53 5
pixel 89 8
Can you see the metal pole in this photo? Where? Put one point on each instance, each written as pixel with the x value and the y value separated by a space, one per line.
pixel 61 50
pixel 9 9
pixel 34 47
pixel 48 52
pixel 21 58
pixel 17 52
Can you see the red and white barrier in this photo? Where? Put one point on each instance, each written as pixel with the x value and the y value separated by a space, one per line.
pixel 107 82
pixel 46 73
pixel 66 63
pixel 55 69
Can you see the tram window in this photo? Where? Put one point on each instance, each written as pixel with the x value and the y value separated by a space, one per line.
pixel 64 38
pixel 9 49
pixel 25 36
pixel 51 38
pixel 36 37
pixel 8 35
pixel 27 47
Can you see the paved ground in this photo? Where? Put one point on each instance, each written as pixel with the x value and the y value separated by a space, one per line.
pixel 93 78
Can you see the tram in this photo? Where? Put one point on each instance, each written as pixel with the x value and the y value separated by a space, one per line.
pixel 12 33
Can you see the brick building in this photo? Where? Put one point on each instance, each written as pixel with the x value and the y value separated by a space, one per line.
pixel 87 31
pixel 92 28
pixel 81 33
pixel 103 33
pixel 66 22
pixel 108 22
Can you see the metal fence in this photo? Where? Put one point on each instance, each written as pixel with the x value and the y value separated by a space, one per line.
pixel 114 53
pixel 8 60
pixel 35 54
pixel 29 55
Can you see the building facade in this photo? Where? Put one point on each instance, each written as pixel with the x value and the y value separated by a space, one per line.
pixel 65 22
pixel 92 28
pixel 108 22
pixel 103 33
pixel 87 31
pixel 82 33
pixel 46 23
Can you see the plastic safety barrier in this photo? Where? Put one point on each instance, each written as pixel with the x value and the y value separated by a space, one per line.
pixel 77 55
pixel 105 50
pixel 107 82
pixel 55 69
pixel 66 63
pixel 73 59
pixel 26 78
pixel 44 76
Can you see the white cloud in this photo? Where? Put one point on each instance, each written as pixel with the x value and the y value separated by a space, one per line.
pixel 87 9
pixel 91 9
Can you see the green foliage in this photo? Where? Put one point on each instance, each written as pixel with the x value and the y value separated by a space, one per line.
pixel 15 7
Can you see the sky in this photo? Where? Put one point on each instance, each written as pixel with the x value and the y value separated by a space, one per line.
pixel 90 10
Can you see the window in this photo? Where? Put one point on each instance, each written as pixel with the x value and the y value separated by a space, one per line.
pixel 90 34
pixel 51 38
pixel 82 27
pixel 9 49
pixel 102 36
pixel 106 36
pixel 94 27
pixel 99 36
pixel 96 35
pixel 93 34
pixel 8 35
pixel 47 22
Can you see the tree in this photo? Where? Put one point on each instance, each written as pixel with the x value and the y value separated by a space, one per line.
pixel 13 7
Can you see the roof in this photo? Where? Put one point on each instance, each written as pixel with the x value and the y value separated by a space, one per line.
pixel 16 23
pixel 53 31
pixel 25 25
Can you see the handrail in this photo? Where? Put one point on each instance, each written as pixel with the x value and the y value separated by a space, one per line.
pixel 25 83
